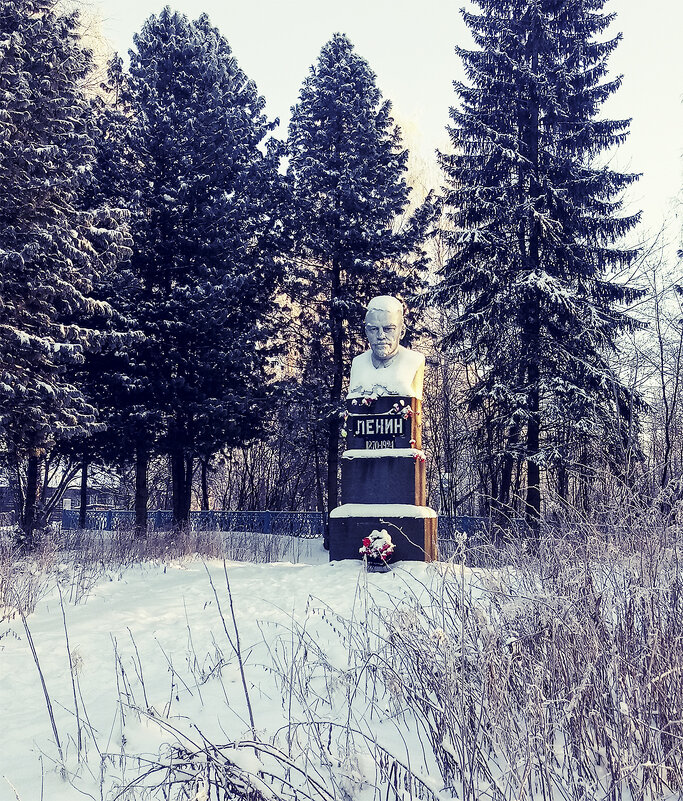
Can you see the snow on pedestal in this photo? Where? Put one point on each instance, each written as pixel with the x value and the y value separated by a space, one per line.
pixel 382 510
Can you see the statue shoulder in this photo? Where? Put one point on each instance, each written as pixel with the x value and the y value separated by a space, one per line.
pixel 362 359
pixel 412 357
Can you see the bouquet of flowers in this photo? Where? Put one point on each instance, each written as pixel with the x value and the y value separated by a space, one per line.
pixel 377 546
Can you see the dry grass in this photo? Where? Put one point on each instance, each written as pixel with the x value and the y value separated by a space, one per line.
pixel 554 673
pixel 79 558
pixel 553 676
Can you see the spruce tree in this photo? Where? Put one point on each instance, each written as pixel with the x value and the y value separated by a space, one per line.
pixel 117 380
pixel 535 224
pixel 51 250
pixel 347 173
pixel 203 200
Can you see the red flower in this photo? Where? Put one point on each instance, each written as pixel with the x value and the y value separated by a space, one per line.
pixel 366 542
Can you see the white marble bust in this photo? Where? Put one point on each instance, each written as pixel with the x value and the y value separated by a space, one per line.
pixel 387 368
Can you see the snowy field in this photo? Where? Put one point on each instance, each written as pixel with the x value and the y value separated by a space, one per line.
pixel 154 659
pixel 327 683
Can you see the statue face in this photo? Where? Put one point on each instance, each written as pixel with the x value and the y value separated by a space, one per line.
pixel 384 330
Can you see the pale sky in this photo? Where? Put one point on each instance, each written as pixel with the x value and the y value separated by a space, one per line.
pixel 409 45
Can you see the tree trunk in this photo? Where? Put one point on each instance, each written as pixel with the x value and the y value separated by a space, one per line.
pixel 320 498
pixel 584 483
pixel 531 322
pixel 29 511
pixel 504 507
pixel 83 511
pixel 205 484
pixel 17 491
pixel 187 491
pixel 141 490
pixel 333 463
pixel 334 428
pixel 181 475
pixel 532 506
pixel 563 482
pixel 533 476
pixel 178 481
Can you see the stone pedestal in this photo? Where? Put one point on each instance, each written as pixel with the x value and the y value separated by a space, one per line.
pixel 383 481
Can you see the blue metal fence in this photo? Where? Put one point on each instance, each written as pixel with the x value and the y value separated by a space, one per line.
pixel 307 525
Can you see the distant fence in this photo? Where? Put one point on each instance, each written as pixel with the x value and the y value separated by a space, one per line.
pixel 480 530
pixel 307 525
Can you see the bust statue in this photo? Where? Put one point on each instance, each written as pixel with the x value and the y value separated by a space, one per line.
pixel 387 368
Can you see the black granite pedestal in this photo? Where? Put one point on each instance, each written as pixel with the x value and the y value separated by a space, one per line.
pixel 414 537
pixel 383 481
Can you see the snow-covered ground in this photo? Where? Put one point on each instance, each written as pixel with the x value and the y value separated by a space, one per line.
pixel 305 679
pixel 153 654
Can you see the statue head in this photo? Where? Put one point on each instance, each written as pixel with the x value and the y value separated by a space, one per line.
pixel 384 326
